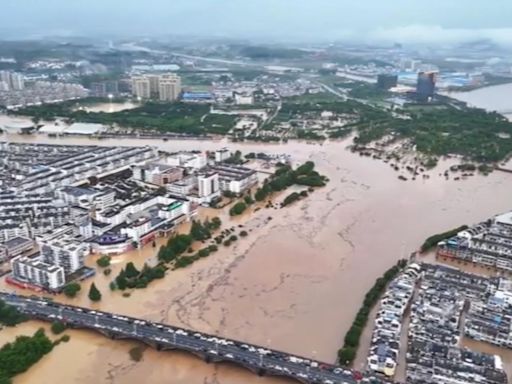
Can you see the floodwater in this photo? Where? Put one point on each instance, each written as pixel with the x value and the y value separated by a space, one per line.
pixel 294 284
pixel 496 98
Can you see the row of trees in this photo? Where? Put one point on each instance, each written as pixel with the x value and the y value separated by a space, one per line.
pixel 348 352
pixel 432 241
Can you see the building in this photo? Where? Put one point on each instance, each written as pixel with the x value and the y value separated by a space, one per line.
pixel 112 88
pixel 425 86
pixel 387 81
pixel 169 87
pixel 235 178
pixel 98 89
pixel 15 81
pixel 29 214
pixel 183 187
pixel 154 89
pixel 15 247
pixel 37 272
pixel 208 184
pixel 158 174
pixel 222 155
pixel 243 99
pixel 87 198
pixel 141 87
pixel 193 160
pixel 63 247
pixel 165 87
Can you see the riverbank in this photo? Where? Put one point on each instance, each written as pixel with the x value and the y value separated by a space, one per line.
pixel 295 283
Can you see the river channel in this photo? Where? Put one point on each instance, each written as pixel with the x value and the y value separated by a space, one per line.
pixel 294 284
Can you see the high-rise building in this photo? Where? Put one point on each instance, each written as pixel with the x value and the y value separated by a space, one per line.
pixel 208 184
pixel 5 78
pixel 98 90
pixel 386 81
pixel 154 81
pixel 112 87
pixel 17 81
pixel 169 87
pixel 141 87
pixel 426 85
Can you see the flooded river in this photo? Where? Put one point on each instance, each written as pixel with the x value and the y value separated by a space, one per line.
pixel 295 283
pixel 496 98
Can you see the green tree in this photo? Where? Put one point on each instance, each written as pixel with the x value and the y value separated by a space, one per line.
pixel 58 327
pixel 94 293
pixel 238 209
pixel 346 355
pixel 71 289
pixel 9 315
pixel 103 261
pixel 130 271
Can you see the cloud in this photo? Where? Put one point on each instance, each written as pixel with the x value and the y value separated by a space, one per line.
pixel 434 34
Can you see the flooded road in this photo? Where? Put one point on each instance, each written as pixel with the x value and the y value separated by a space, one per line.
pixel 294 284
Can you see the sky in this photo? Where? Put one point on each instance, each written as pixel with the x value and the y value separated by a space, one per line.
pixel 404 21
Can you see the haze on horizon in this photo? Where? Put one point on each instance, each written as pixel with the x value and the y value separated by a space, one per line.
pixel 405 21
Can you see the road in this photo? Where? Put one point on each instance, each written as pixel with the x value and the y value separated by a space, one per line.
pixel 260 360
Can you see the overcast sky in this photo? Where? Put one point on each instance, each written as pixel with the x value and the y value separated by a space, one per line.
pixel 377 20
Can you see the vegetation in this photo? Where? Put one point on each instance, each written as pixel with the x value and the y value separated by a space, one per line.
pixel 103 261
pixel 243 234
pixel 238 209
pixel 9 315
pixel 20 355
pixel 432 241
pixel 285 177
pixel 94 293
pixel 136 353
pixel 58 327
pixel 175 247
pixel 71 289
pixel 199 231
pixel 131 277
pixel 348 352
pixel 182 118
pixel 294 196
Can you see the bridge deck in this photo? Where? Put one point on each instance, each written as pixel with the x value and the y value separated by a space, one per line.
pixel 258 359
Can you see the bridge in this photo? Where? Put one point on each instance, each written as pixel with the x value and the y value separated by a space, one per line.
pixel 260 360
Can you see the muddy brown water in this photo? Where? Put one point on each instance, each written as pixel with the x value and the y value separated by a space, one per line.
pixel 294 284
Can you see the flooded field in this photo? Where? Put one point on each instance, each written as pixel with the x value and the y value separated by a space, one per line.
pixel 295 283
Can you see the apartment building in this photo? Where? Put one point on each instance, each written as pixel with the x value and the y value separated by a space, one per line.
pixel 64 247
pixel 235 178
pixel 15 247
pixel 165 87
pixel 37 272
pixel 29 214
pixel 158 174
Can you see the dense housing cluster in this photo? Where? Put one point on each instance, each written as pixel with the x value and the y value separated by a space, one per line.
pixel 433 352
pixel 488 243
pixel 60 203
pixel 385 345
